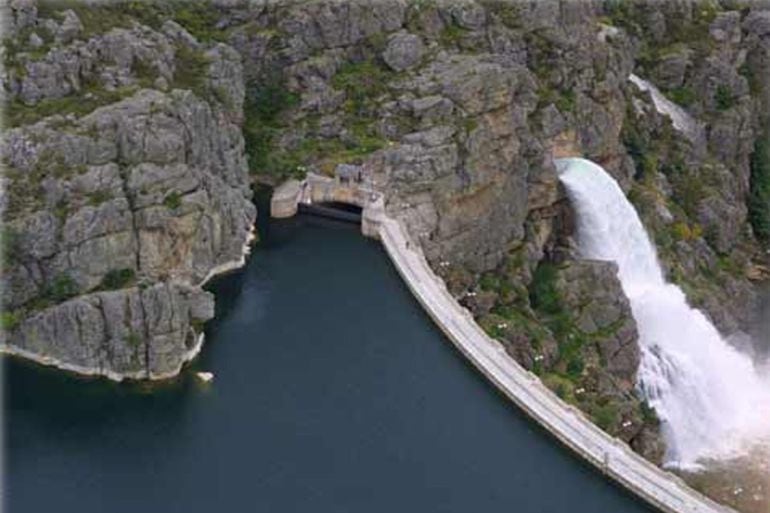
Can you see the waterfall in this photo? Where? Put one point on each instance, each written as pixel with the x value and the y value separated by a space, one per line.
pixel 680 119
pixel 710 398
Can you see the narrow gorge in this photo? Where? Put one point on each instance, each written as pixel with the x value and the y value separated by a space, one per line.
pixel 591 181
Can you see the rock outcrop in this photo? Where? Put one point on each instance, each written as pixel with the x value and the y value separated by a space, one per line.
pixel 126 186
pixel 455 110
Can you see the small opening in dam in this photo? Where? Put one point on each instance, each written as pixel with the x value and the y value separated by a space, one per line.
pixel 334 210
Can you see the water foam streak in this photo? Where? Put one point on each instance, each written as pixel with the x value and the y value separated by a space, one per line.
pixel 709 396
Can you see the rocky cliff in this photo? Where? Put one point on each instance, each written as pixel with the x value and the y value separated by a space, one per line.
pixel 125 186
pixel 455 109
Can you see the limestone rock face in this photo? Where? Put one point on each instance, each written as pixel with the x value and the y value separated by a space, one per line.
pixel 133 332
pixel 455 110
pixel 591 292
pixel 114 216
pixel 403 51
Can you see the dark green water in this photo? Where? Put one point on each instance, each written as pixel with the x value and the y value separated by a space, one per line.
pixel 333 393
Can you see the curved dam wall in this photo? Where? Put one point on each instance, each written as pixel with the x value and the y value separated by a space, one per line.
pixel 568 424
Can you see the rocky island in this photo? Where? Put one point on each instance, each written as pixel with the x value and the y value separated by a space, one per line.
pixel 135 134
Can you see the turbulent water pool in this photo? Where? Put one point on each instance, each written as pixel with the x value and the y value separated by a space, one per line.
pixel 333 393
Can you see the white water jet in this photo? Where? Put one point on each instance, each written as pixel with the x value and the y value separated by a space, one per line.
pixel 710 398
pixel 680 119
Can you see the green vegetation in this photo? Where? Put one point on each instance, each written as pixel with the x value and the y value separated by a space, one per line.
pixel 98 197
pixel 20 43
pixel 191 68
pixel 564 100
pixel 470 124
pixel 563 387
pixel 681 30
pixel 546 301
pixel 9 320
pixel 451 35
pixel 724 98
pixel 61 288
pixel 362 82
pixel 759 198
pixel 96 19
pixel 507 11
pixel 543 294
pixel 118 279
pixel 133 339
pixel 144 72
pixel 605 414
pixel 91 98
pixel 199 17
pixel 684 96
pixel 10 246
pixel 173 200
pixel 686 232
pixel 689 190
pixel 263 108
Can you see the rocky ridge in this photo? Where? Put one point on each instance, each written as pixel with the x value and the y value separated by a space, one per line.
pixel 456 110
pixel 119 204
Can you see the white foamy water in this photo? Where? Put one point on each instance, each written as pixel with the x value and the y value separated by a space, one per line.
pixel 709 396
pixel 681 120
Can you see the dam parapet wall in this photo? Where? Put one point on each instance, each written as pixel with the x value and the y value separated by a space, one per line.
pixel 569 425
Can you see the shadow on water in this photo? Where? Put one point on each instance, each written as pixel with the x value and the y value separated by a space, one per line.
pixel 333 392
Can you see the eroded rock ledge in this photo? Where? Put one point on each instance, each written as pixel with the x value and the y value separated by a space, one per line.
pixel 127 163
pixel 115 217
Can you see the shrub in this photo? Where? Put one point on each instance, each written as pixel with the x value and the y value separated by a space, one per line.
pixel 9 320
pixel 489 282
pixel 117 279
pixel 566 101
pixel 97 198
pixel 133 339
pixel 199 18
pixel 575 366
pixel 684 96
pixel 759 196
pixel 10 245
pixel 724 98
pixel 684 231
pixel 61 288
pixel 689 191
pixel 19 114
pixel 262 108
pixel 451 35
pixel 191 70
pixel 542 293
pixel 605 416
pixel 362 82
pixel 173 200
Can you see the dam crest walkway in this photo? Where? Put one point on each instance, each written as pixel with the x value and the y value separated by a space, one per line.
pixel 610 455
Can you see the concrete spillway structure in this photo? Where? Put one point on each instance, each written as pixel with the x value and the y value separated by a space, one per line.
pixel 568 424
pixel 316 189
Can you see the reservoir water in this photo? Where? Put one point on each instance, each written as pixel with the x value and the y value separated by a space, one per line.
pixel 333 393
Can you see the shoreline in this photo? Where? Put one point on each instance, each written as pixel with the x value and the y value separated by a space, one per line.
pixel 611 456
pixel 98 372
pixel 233 265
pixel 187 356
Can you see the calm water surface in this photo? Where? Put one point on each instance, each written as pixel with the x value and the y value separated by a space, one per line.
pixel 333 393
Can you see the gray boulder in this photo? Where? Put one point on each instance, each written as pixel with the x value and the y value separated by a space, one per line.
pixel 403 51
